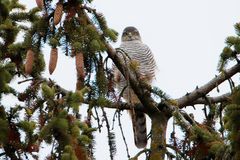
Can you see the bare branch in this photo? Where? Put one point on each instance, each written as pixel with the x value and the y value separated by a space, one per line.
pixel 218 99
pixel 205 89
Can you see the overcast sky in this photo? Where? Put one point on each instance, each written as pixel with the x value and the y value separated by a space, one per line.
pixel 186 37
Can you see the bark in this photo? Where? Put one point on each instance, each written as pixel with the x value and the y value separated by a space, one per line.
pixel 158 136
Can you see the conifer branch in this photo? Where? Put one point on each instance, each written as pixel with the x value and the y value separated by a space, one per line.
pixel 205 89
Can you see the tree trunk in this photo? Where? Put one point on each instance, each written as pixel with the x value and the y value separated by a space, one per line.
pixel 158 136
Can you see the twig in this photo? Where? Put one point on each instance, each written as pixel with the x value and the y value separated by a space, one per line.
pixel 112 147
pixel 26 156
pixel 121 129
pixel 139 153
pixel 26 80
pixel 52 146
pixel 221 120
pixel 177 151
pixel 98 120
pixel 123 53
pixel 205 111
pixel 231 84
pixel 170 155
pixel 121 93
pixel 2 154
pixel 114 116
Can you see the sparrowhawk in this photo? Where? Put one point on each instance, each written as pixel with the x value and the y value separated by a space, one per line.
pixel 140 61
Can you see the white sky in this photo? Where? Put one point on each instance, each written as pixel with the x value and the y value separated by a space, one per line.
pixel 186 37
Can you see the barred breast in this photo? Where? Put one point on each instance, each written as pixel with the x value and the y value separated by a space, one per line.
pixel 140 52
pixel 136 50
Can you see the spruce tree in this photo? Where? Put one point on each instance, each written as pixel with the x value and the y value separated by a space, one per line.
pixel 48 113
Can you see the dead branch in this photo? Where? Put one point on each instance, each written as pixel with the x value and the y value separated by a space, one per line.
pixel 205 89
pixel 218 99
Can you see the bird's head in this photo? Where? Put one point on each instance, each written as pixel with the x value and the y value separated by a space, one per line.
pixel 130 34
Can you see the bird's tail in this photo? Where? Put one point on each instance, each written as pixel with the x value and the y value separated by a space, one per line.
pixel 139 128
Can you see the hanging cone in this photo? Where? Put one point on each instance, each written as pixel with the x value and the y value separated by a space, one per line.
pixel 29 61
pixel 40 3
pixel 53 60
pixel 58 13
pixel 80 64
pixel 80 70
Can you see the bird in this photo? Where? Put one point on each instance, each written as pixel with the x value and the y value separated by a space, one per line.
pixel 140 61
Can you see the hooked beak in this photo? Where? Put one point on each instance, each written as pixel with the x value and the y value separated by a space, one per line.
pixel 129 35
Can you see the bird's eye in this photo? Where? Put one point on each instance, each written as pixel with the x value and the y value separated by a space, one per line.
pixel 135 32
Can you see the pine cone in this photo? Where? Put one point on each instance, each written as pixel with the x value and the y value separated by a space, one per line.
pixel 58 13
pixel 29 61
pixel 53 60
pixel 40 3
pixel 80 65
